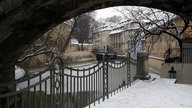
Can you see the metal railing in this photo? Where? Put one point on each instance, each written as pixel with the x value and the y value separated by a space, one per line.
pixel 187 55
pixel 60 86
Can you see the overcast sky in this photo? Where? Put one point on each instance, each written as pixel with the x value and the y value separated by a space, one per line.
pixel 106 12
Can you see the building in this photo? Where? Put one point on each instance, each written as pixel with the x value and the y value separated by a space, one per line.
pixel 101 37
pixel 116 39
pixel 133 39
pixel 119 37
pixel 123 36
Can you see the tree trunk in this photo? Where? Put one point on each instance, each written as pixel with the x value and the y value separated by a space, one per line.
pixel 82 49
pixel 66 44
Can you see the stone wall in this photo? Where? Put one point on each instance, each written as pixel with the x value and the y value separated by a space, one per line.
pixel 155 63
pixel 183 72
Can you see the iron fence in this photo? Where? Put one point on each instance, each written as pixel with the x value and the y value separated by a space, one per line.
pixel 60 86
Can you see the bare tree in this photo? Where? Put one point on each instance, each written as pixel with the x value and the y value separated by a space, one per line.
pixel 52 43
pixel 55 41
pixel 156 22
pixel 84 27
pixel 114 19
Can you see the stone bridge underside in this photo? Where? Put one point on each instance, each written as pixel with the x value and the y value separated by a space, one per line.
pixel 24 21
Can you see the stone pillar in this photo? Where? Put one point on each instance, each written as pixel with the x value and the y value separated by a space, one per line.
pixel 142 66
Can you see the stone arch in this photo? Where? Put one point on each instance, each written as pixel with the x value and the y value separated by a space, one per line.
pixel 23 21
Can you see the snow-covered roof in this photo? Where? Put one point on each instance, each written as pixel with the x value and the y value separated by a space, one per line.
pixel 122 23
pixel 116 31
pixel 105 26
pixel 125 25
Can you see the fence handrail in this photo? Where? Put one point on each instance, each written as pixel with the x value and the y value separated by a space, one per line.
pixel 85 69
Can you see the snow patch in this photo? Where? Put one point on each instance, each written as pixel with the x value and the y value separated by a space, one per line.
pixel 19 72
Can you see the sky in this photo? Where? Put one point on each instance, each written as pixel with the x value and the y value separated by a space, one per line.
pixel 106 12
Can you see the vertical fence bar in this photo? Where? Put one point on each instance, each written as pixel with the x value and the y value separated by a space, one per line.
pixel 111 81
pixel 103 80
pixel 71 100
pixel 35 104
pixel 99 83
pixel 94 91
pixel 51 87
pixel 120 72
pixel 60 89
pixel 78 100
pixel 84 87
pixel 81 78
pixel 114 80
pixel 22 101
pixel 63 87
pixel 92 88
pixel 74 91
pixel 40 91
pixel 129 69
pixel 124 76
pixel 45 93
pixel 107 74
pixel 28 85
pixel 87 95
pixel 54 87
pixel 117 80
pixel 89 88
pixel 127 72
pixel 67 92
pixel 15 100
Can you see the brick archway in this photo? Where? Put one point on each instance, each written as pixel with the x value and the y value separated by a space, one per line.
pixel 23 21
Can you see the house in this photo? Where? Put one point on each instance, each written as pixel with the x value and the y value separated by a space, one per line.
pixel 119 37
pixel 122 37
pixel 101 36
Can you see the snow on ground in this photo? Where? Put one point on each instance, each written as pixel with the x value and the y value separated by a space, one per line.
pixel 160 93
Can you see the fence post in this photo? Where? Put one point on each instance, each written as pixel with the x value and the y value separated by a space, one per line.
pixel 128 71
pixel 142 66
pixel 103 63
pixel 105 77
pixel 107 71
